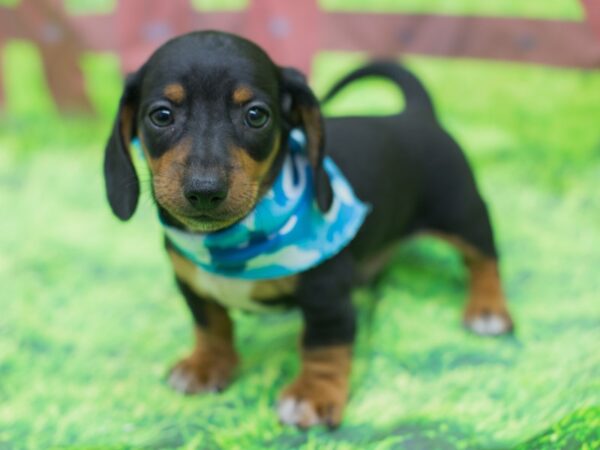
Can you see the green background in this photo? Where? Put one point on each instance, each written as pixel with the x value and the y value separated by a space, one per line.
pixel 91 320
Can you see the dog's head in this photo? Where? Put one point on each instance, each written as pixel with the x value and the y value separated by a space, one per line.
pixel 212 113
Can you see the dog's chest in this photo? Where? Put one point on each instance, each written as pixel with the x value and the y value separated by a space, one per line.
pixel 248 295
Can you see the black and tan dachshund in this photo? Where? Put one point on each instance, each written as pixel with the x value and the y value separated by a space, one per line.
pixel 213 115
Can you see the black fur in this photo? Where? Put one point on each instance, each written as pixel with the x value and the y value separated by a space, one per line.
pixel 408 168
pixel 411 172
pixel 324 299
pixel 122 184
pixel 195 303
pixel 302 102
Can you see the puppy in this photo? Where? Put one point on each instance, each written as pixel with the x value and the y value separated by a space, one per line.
pixel 255 215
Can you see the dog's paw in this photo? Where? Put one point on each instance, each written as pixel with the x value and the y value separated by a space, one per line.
pixel 488 321
pixel 309 404
pixel 194 375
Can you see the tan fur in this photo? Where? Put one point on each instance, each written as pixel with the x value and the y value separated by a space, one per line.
pixel 170 161
pixel 248 293
pixel 372 266
pixel 242 94
pixel 311 117
pixel 485 291
pixel 125 123
pixel 486 296
pixel 247 176
pixel 211 364
pixel 256 170
pixel 175 92
pixel 323 383
pixel 244 180
pixel 266 290
pixel 167 172
pixel 186 271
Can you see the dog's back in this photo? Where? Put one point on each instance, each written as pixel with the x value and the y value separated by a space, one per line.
pixel 405 165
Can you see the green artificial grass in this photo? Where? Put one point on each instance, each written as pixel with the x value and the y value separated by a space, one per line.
pixel 553 9
pixel 90 6
pixel 91 319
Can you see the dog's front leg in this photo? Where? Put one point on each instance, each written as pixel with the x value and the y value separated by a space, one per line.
pixel 210 365
pixel 318 395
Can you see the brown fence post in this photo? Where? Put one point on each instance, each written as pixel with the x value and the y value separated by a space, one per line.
pixel 2 98
pixel 592 13
pixel 60 48
pixel 7 30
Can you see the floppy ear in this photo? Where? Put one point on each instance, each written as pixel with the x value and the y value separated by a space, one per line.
pixel 301 108
pixel 122 184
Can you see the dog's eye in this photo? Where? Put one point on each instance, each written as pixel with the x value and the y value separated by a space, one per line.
pixel 161 117
pixel 257 117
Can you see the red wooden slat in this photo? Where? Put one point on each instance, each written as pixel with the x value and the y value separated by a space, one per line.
pixel 292 33
pixel 96 32
pixel 286 30
pixel 142 27
pixel 550 42
pixel 10 25
pixel 592 13
pixel 226 21
pixel 2 96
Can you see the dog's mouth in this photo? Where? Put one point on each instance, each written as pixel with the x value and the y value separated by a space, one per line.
pixel 207 222
pixel 205 218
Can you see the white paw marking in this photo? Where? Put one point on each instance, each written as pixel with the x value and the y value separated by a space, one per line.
pixel 182 381
pixel 488 325
pixel 185 381
pixel 297 412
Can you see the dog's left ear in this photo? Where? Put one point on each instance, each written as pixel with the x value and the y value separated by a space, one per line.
pixel 301 109
pixel 122 184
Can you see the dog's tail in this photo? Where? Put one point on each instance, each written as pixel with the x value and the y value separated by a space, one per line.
pixel 415 95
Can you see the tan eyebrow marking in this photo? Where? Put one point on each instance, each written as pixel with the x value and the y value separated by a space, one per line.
pixel 175 92
pixel 242 94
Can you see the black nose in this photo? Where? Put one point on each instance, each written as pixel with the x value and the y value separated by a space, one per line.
pixel 206 195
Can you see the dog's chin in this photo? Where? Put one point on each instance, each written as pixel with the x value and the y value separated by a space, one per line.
pixel 205 226
pixel 202 223
pixel 215 220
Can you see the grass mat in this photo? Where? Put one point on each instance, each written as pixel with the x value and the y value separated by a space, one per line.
pixel 91 318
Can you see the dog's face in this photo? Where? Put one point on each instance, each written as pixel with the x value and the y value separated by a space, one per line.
pixel 212 114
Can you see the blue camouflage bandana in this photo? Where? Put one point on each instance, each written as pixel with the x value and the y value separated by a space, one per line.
pixel 286 233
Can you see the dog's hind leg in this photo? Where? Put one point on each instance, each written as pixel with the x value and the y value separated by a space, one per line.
pixel 454 210
pixel 486 312
pixel 469 230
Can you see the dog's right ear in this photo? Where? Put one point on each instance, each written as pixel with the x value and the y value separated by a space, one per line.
pixel 121 180
pixel 301 108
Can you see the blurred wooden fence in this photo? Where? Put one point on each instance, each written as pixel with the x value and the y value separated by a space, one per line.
pixel 291 31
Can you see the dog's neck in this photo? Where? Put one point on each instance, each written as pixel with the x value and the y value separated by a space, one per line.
pixel 286 233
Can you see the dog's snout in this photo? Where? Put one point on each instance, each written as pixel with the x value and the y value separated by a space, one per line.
pixel 206 194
